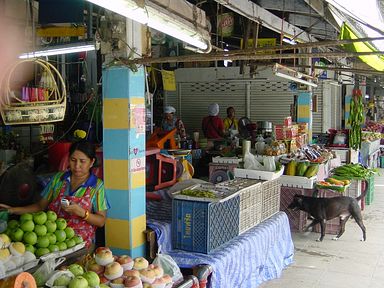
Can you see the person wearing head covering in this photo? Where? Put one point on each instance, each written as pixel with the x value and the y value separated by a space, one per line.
pixel 212 125
pixel 170 122
pixel 230 123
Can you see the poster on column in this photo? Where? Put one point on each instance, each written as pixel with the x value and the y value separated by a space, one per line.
pixel 137 164
pixel 138 118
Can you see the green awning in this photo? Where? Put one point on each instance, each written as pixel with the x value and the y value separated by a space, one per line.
pixel 375 61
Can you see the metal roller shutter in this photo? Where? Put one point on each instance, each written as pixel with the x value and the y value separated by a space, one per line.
pixel 317 117
pixel 270 101
pixel 195 97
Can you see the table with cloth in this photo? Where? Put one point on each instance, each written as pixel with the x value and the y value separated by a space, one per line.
pixel 258 255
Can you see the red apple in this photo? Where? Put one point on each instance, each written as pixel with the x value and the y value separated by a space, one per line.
pixel 93 266
pixel 140 263
pixel 104 257
pixel 113 271
pixel 126 262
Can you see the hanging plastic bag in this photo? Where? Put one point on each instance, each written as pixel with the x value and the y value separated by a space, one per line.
pixel 169 266
pixel 45 271
pixel 251 163
pixel 60 279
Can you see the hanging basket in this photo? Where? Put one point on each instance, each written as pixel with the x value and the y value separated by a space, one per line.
pixel 52 109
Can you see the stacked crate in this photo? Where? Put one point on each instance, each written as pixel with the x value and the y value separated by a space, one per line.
pixel 270 198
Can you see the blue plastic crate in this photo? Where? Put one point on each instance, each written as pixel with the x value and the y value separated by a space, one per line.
pixel 204 226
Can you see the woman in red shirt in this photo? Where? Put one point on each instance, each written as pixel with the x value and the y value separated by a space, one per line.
pixel 212 125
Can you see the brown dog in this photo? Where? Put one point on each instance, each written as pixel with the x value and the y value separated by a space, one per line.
pixel 323 209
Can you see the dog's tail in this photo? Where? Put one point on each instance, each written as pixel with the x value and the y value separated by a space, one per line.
pixel 362 195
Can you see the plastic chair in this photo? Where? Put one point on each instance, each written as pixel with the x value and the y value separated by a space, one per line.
pixel 160 170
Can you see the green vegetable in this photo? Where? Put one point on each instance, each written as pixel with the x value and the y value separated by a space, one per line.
pixel 356 119
pixel 354 171
pixel 198 193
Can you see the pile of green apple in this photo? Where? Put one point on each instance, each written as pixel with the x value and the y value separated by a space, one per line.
pixel 42 233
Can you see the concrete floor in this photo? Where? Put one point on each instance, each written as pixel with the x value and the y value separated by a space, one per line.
pixel 347 262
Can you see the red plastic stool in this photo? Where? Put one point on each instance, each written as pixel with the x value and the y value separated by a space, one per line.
pixel 160 170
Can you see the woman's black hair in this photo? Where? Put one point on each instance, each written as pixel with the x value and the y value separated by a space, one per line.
pixel 84 146
pixel 229 108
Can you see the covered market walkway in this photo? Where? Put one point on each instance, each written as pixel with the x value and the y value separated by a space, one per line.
pixel 343 263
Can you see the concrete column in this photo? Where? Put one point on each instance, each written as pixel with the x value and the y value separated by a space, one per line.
pixel 124 159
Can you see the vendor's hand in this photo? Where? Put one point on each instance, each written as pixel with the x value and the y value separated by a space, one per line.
pixel 74 209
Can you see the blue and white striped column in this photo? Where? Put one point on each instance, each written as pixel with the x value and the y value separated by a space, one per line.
pixel 124 159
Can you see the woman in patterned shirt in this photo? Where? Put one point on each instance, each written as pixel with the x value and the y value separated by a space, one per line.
pixel 87 203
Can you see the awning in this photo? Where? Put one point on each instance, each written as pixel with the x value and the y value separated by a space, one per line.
pixel 375 61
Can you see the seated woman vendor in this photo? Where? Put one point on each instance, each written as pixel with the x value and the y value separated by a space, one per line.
pixel 230 123
pixel 212 125
pixel 170 122
pixel 76 195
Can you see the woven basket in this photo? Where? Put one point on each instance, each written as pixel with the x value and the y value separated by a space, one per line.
pixel 15 111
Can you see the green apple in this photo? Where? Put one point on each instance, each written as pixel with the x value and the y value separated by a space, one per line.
pixel 27 225
pixel 51 216
pixel 52 238
pixel 70 243
pixel 78 282
pixel 61 223
pixel 69 232
pixel 39 217
pixel 62 246
pixel 62 280
pixel 103 286
pixel 92 278
pixel 42 241
pixel 76 269
pixel 40 230
pixel 53 248
pixel 41 251
pixel 30 238
pixel 26 217
pixel 78 239
pixel 17 235
pixel 60 235
pixel 51 226
pixel 13 224
pixel 30 248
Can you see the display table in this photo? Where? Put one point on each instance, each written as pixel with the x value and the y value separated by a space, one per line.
pixel 258 255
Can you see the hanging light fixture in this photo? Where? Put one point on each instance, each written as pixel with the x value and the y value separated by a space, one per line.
pixel 59 50
pixel 158 18
pixel 291 74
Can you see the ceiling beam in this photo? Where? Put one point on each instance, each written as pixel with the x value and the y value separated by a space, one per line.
pixel 292 6
pixel 267 19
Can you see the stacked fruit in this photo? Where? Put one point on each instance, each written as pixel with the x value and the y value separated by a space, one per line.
pixel 333 184
pixel 304 169
pixel 42 233
pixel 123 271
pixel 13 254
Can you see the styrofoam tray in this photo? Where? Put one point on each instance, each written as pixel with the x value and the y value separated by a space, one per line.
pixel 222 193
pixel 226 160
pixel 18 270
pixel 257 174
pixel 297 181
pixel 62 253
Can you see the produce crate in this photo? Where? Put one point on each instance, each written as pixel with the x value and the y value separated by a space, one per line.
pixel 354 189
pixel 250 192
pixel 370 190
pixel 297 181
pixel 332 226
pixel 270 198
pixel 203 226
pixel 257 174
pixel 297 219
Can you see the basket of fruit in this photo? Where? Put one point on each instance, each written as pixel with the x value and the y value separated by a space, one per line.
pixel 333 184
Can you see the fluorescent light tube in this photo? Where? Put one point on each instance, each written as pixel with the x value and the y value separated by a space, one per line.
pixel 155 18
pixel 293 78
pixel 58 50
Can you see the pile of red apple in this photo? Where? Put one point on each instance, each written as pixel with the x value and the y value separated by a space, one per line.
pixel 42 233
pixel 125 272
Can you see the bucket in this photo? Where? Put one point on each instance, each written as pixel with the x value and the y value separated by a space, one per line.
pixel 56 153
